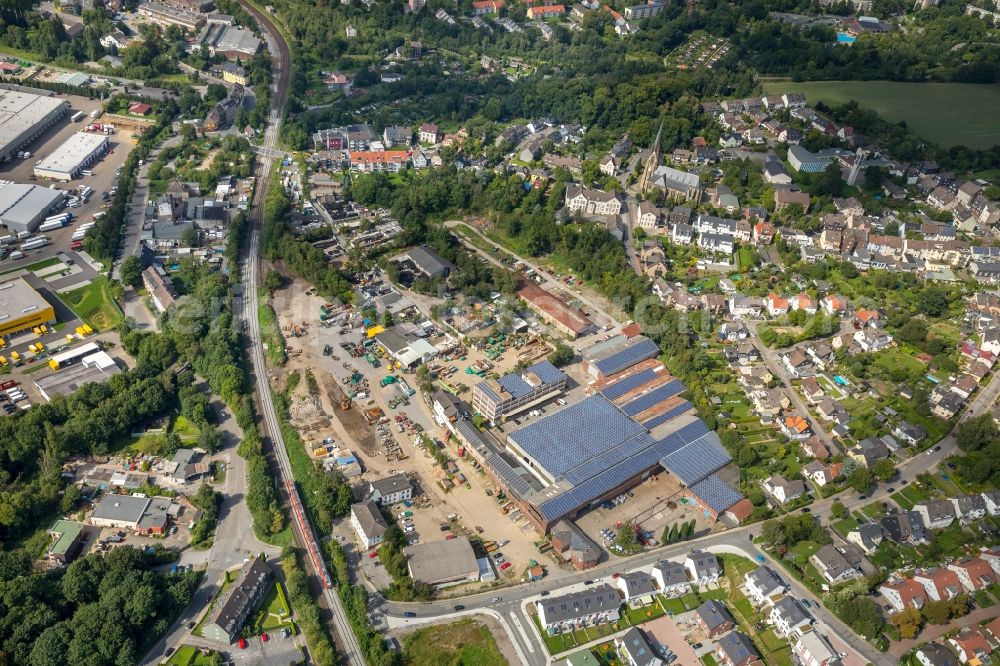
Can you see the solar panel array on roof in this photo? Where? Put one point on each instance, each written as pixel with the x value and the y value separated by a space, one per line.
pixel 670 414
pixel 620 388
pixel 598 485
pixel 518 388
pixel 626 358
pixel 716 493
pixel 578 432
pixel 496 462
pixel 696 459
pixel 592 466
pixel 653 398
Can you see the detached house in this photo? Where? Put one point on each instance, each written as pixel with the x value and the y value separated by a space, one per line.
pixel 969 508
pixel 936 514
pixel 971 647
pixel 736 649
pixel 866 536
pixel 714 618
pixel 832 565
pixel 787 616
pixel 636 587
pixel 783 490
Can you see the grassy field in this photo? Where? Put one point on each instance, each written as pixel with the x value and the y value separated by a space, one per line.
pixel 94 304
pixel 948 114
pixel 460 643
pixel 187 655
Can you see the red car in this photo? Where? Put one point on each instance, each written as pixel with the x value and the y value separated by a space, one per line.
pixel 505 565
pixel 243 644
pixel 265 637
pixel 373 554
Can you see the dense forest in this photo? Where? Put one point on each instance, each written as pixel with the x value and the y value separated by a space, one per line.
pixel 102 610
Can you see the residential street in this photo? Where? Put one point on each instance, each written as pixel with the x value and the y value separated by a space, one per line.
pixel 777 368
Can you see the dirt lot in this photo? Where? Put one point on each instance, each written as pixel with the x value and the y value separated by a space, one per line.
pixel 349 429
pixel 20 171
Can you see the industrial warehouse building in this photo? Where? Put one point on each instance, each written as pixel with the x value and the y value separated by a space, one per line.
pixel 230 41
pixel 635 423
pixel 22 308
pixel 441 563
pixel 76 153
pixel 503 398
pixel 231 611
pixel 24 207
pixel 93 368
pixel 24 116
pixel 145 515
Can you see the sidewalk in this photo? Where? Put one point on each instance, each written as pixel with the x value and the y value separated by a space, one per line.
pixel 932 631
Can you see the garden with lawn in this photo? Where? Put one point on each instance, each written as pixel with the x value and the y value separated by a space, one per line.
pixel 187 655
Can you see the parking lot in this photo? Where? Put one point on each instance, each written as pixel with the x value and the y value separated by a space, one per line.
pixel 102 180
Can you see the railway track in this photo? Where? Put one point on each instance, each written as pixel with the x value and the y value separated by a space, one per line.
pixel 347 642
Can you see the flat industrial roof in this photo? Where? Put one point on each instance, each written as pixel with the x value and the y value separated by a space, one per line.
pixel 95 369
pixel 22 204
pixel 19 299
pixel 126 508
pixel 441 560
pixel 72 152
pixel 21 111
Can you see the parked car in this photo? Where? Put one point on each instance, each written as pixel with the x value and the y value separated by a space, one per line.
pixel 409 614
pixel 265 637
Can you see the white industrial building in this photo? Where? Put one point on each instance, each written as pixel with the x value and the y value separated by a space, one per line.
pixel 24 116
pixel 95 368
pixel 68 160
pixel 25 207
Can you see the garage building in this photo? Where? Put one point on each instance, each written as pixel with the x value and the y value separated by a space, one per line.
pixel 25 207
pixel 24 116
pixel 446 562
pixel 73 156
pixel 22 308
pixel 145 515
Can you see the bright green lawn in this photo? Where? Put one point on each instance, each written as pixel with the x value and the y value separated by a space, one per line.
pixel 948 114
pixel 93 304
pixel 188 655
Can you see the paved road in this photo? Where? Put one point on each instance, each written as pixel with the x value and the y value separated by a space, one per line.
pixel 140 196
pixel 234 539
pixel 778 369
pixel 347 643
pixel 512 606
